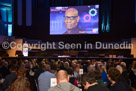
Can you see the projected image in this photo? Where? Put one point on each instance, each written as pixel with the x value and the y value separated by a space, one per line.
pixel 74 20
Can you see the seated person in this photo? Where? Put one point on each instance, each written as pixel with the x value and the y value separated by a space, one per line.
pixel 72 79
pixel 90 83
pixel 63 83
pixel 117 85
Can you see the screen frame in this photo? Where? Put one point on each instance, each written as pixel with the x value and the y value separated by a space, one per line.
pixel 99 20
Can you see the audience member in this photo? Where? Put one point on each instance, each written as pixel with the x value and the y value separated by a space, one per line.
pixel 72 79
pixel 63 83
pixel 90 83
pixel 117 85
pixel 44 78
pixel 10 78
pixel 21 83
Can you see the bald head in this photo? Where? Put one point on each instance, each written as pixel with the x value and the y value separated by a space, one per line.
pixel 62 76
pixel 71 18
pixel 72 11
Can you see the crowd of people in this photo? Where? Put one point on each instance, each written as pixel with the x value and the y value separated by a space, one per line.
pixel 70 75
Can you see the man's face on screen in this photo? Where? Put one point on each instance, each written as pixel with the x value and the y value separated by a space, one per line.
pixel 71 18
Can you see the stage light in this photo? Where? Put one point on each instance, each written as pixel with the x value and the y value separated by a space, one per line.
pixel 9 29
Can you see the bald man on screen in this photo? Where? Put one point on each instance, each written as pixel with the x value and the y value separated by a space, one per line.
pixel 71 22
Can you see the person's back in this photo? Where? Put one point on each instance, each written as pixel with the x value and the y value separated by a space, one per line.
pixel 116 84
pixel 63 83
pixel 73 81
pixel 90 83
pixel 4 71
pixel 64 86
pixel 10 78
pixel 20 84
pixel 44 79
pixel 37 73
pixel 104 77
pixel 120 86
pixel 98 87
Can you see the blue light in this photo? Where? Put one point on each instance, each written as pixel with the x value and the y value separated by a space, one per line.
pixel 108 25
pixel 28 12
pixel 96 6
pixel 6 13
pixel 5 4
pixel 19 12
pixel 10 15
pixel 9 29
pixel 3 14
pixel 103 26
pixel 5 25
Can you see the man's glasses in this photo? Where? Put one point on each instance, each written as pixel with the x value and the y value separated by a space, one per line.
pixel 70 17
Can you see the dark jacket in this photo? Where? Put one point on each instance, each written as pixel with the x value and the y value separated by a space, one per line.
pixel 120 86
pixel 8 80
pixel 98 87
pixel 73 81
pixel 75 30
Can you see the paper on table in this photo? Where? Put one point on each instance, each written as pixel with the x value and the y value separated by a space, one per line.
pixel 81 71
pixel 53 82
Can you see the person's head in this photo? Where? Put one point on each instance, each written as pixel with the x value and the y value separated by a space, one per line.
pixel 77 68
pixel 123 64
pixel 21 72
pixel 47 67
pixel 20 84
pixel 113 75
pixel 103 68
pixel 70 70
pixel 62 76
pixel 14 62
pixel 71 18
pixel 73 64
pixel 66 64
pixel 119 68
pixel 13 68
pixel 134 65
pixel 5 64
pixel 91 68
pixel 88 80
pixel 97 75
